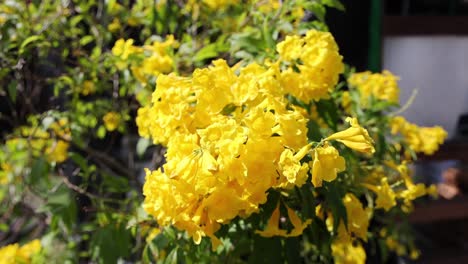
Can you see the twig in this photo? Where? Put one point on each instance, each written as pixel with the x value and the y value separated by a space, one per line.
pixel 407 104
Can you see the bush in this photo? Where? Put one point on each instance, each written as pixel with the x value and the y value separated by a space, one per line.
pixel 260 144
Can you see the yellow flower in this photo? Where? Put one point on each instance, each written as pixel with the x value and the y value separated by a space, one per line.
pixel 326 165
pixel 346 101
pixel 3 19
pixel 111 121
pixel 6 169
pixel 415 254
pixel 383 86
pixel 159 60
pixel 319 67
pixel 432 191
pixel 273 229
pixel 348 253
pixel 58 152
pixel 114 26
pixel 12 254
pixel 87 88
pixel 114 7
pixel 226 130
pixel 419 139
pixel 123 49
pixel 219 4
pixel 358 217
pixel 153 232
pixel 290 48
pixel 8 254
pixel 291 167
pixel 413 192
pixel 385 194
pixel 355 137
pixel 268 6
pixel 28 250
pixel 133 21
pixel 395 246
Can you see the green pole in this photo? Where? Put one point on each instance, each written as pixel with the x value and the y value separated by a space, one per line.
pixel 375 36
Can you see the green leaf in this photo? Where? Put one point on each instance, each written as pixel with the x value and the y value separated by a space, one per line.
pixel 111 183
pixel 334 3
pixel 101 132
pixel 86 40
pixel 266 250
pixel 4 227
pixel 147 255
pixel 313 131
pixel 75 20
pixel 209 51
pixel 28 41
pixel 328 110
pixel 292 250
pixel 62 208
pixel 39 170
pixel 111 242
pixel 334 197
pixel 79 160
pixel 12 91
pixel 172 257
pixel 317 9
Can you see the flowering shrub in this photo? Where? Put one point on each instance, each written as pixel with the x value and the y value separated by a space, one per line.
pixel 274 149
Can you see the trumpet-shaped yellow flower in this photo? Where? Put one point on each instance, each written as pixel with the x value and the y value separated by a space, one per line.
pixel 348 253
pixel 111 121
pixel 58 152
pixel 273 228
pixel 358 217
pixel 124 48
pixel 87 88
pixel 413 191
pixel 358 221
pixel 385 194
pixel 355 137
pixel 114 26
pixel 291 167
pixel 327 163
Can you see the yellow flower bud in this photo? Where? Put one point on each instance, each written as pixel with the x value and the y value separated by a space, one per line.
pixel 355 137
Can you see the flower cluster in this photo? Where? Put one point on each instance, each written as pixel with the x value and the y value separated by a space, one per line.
pixel 382 86
pixel 231 135
pixel 148 60
pixel 34 141
pixel 52 142
pixel 12 254
pixel 225 135
pixel 419 139
pixel 312 65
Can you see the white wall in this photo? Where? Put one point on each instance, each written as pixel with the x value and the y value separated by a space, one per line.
pixel 438 68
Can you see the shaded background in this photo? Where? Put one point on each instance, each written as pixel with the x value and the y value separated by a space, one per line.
pixel 425 42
